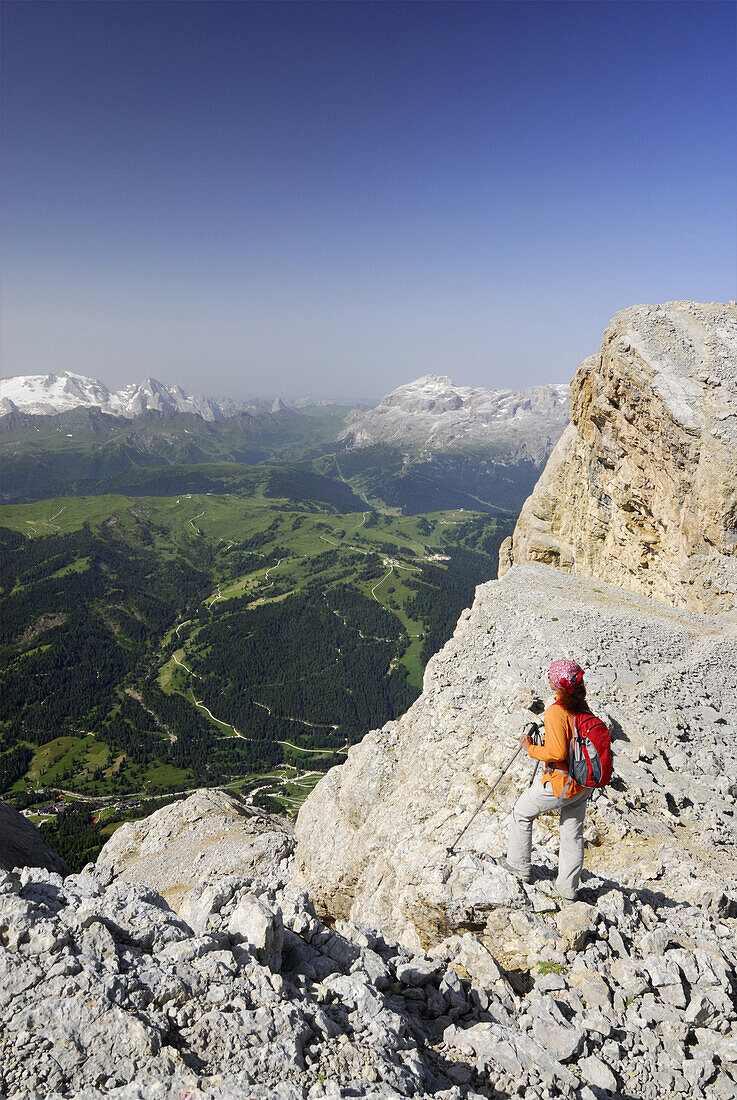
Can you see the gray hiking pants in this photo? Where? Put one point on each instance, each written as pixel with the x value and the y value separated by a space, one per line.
pixel 536 800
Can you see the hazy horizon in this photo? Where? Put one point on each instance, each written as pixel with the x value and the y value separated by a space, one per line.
pixel 332 200
pixel 368 399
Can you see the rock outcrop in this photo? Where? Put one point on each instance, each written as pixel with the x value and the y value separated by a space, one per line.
pixel 210 833
pixel 373 835
pixel 104 991
pixel 640 492
pixel 605 985
pixel 641 489
pixel 23 846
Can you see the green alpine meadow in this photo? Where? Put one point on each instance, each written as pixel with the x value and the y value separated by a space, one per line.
pixel 154 643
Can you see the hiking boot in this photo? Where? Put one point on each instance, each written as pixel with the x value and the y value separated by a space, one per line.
pixel 564 895
pixel 523 876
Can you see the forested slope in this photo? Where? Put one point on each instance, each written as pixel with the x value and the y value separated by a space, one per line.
pixel 155 643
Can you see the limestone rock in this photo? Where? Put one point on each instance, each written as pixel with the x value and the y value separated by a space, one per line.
pixel 437 973
pixel 598 1073
pixel 23 846
pixel 260 927
pixel 372 838
pixel 418 971
pixel 208 835
pixel 105 992
pixel 562 1042
pixel 641 489
pixel 576 924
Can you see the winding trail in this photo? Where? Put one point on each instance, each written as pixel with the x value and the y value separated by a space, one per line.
pixel 49 522
pixel 349 626
pixel 185 667
pixel 266 576
pixel 299 721
pixel 349 546
pixel 319 752
pixel 406 565
pixel 191 522
pixel 282 781
pixel 298 748
pixel 379 583
pixel 220 722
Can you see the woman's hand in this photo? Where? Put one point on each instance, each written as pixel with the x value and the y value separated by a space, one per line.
pixel 525 742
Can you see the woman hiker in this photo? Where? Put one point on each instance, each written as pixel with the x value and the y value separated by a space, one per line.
pixel 557 787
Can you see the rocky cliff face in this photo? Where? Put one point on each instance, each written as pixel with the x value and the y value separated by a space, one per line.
pixel 23 846
pixel 641 489
pixel 661 875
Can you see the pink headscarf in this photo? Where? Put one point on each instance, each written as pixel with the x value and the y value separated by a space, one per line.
pixel 565 674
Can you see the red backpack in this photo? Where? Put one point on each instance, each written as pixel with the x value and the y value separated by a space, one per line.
pixel 590 751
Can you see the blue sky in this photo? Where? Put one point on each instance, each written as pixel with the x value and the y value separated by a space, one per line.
pixel 333 199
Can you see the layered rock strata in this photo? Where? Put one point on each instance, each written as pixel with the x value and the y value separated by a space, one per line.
pixel 641 489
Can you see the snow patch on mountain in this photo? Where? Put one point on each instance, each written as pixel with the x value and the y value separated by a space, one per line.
pixel 433 413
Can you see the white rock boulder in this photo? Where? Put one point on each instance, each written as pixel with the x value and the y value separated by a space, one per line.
pixel 208 835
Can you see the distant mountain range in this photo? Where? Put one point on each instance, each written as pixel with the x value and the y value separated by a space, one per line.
pixel 47 394
pixel 427 446
pixel 432 414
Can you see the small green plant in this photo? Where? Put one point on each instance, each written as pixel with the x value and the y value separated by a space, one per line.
pixel 547 967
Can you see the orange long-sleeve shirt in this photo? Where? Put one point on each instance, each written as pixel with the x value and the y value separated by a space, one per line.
pixel 559 729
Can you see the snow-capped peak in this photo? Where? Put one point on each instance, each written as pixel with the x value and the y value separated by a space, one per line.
pixel 53 393
pixel 433 413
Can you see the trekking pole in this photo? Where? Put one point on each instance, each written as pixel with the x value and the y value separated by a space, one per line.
pixel 503 772
pixel 538 738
